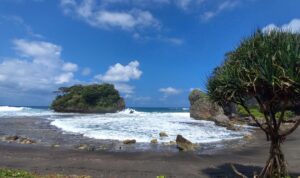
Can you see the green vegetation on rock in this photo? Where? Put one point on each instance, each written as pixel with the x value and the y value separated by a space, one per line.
pixel 258 114
pixel 94 98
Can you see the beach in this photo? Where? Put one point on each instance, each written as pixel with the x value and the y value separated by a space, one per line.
pixel 58 152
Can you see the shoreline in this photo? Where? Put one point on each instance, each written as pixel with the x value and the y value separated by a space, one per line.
pixel 129 162
pixel 44 133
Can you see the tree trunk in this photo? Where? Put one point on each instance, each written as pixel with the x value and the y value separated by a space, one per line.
pixel 276 166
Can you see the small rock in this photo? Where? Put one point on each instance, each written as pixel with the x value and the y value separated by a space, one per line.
pixel 26 141
pixel 248 137
pixel 129 141
pixel 172 142
pixel 154 141
pixel 12 138
pixel 82 147
pixel 131 112
pixel 55 146
pixel 183 144
pixel 163 134
pixel 91 148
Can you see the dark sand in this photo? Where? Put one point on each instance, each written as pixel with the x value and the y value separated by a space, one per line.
pixel 106 161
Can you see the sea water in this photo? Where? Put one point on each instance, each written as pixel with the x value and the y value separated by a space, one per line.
pixel 141 124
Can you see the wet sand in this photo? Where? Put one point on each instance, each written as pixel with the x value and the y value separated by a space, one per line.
pixel 105 158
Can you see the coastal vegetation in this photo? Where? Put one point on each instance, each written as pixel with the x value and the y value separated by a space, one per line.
pixel 14 173
pixel 264 67
pixel 94 98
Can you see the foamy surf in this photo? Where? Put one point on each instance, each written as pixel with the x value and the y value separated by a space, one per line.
pixel 10 108
pixel 142 125
pixel 145 126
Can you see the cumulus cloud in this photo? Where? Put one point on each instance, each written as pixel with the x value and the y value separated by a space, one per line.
pixel 70 67
pixel 38 67
pixel 169 91
pixel 293 26
pixel 95 15
pixel 120 75
pixel 124 88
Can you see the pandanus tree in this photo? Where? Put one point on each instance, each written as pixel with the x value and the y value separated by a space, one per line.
pixel 264 67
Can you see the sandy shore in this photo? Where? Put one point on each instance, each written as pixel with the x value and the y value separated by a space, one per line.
pixel 102 158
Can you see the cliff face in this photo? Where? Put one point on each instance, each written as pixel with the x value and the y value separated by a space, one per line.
pixel 201 107
pixel 88 99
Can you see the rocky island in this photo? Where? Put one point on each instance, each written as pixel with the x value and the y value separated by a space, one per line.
pixel 93 98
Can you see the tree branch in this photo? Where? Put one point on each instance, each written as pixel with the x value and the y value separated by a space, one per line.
pixel 263 107
pixel 237 172
pixel 281 117
pixel 253 117
pixel 291 130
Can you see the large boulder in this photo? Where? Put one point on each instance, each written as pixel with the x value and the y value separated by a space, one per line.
pixel 201 107
pixel 183 144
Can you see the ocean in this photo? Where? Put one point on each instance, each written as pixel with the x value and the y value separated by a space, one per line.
pixel 141 124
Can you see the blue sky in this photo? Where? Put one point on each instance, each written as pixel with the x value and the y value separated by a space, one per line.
pixel 154 51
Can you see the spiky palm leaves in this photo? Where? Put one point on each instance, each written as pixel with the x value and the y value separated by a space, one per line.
pixel 266 67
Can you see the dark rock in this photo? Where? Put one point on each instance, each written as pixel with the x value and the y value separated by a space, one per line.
pixel 131 112
pixel 26 141
pixel 12 138
pixel 201 107
pixel 154 141
pixel 183 144
pixel 133 141
pixel 163 134
pixel 82 147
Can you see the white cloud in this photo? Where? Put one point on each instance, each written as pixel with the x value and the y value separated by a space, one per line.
pixel 293 26
pixel 64 78
pixel 225 5
pixel 132 19
pixel 191 89
pixel 38 67
pixel 70 67
pixel 121 73
pixel 169 91
pixel 124 88
pixel 86 71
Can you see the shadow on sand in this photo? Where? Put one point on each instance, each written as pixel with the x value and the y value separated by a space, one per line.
pixel 225 171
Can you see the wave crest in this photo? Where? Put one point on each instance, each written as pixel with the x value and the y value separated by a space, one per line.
pixel 11 108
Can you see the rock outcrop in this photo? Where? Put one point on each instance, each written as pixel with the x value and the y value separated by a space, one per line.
pixel 94 98
pixel 183 144
pixel 201 107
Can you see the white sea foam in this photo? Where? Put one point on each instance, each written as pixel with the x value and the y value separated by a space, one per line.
pixel 10 108
pixel 144 126
pixel 9 111
pixel 130 124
